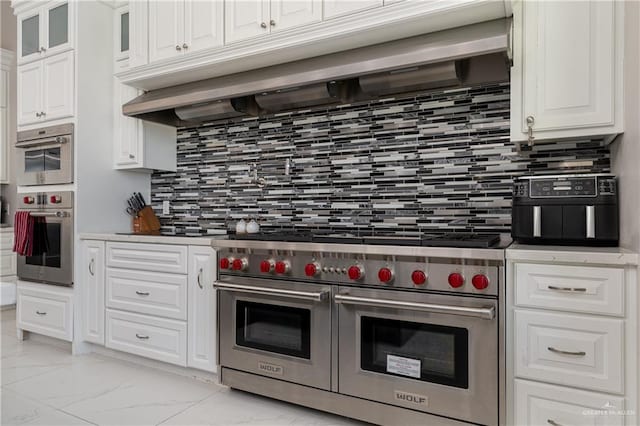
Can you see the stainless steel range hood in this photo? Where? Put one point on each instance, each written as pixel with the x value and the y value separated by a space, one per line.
pixel 464 55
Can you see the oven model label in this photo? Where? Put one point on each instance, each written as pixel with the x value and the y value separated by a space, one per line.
pixel 403 366
pixel 271 368
pixel 411 398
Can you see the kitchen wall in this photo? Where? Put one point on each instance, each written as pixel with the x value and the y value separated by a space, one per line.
pixel 8 26
pixel 438 161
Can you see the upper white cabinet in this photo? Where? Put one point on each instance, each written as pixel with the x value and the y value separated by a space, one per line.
pixel 46 89
pixel 249 18
pixel 121 45
pixel 178 26
pixel 6 111
pixel 45 31
pixel 567 73
pixel 139 144
pixel 342 7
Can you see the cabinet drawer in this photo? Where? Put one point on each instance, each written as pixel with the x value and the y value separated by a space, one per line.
pixel 45 312
pixel 6 241
pixel 573 350
pixel 145 292
pixel 570 288
pixel 8 264
pixel 151 337
pixel 538 404
pixel 147 257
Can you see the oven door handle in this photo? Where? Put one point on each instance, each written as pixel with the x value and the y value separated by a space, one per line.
pixel 56 140
pixel 52 214
pixel 305 295
pixel 488 313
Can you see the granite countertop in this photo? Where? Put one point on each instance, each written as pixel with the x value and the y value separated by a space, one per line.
pixel 572 254
pixel 157 239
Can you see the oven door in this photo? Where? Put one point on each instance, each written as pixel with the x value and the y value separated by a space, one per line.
pixel 276 329
pixel 45 161
pixel 56 265
pixel 432 353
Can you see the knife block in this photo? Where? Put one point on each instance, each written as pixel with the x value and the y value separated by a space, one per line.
pixel 146 222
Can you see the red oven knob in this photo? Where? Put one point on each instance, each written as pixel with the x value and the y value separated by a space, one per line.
pixel 385 275
pixel 266 266
pixel 480 281
pixel 225 263
pixel 456 280
pixel 312 269
pixel 283 267
pixel 355 272
pixel 28 200
pixel 240 264
pixel 418 277
pixel 55 199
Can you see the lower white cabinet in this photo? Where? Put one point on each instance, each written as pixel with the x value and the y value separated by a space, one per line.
pixel 92 288
pixel 202 309
pixel 152 337
pixel 45 309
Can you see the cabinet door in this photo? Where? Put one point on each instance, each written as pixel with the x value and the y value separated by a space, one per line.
pixel 30 36
pixel 166 29
pixel 4 147
pixel 569 64
pixel 245 19
pixel 204 23
pixel 138 33
pixel 93 276
pixel 58 86
pixel 201 352
pixel 122 38
pixel 127 144
pixel 342 7
pixel 57 27
pixel 286 13
pixel 30 93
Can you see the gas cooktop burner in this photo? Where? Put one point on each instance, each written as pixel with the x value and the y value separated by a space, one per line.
pixel 448 239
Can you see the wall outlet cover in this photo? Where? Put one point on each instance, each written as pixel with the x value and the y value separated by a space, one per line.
pixel 165 207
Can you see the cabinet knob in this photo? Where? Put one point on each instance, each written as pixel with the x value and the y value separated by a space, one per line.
pixel 38 114
pixel 42 49
pixel 178 47
pixel 92 267
pixel 131 156
pixel 263 25
pixel 272 23
pixel 530 122
pixel 185 46
pixel 42 114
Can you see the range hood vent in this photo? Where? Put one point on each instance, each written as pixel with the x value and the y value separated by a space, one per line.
pixel 466 55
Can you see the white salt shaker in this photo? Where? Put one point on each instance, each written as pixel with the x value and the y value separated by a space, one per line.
pixel 253 227
pixel 241 227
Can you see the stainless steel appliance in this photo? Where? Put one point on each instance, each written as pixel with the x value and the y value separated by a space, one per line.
pixel 566 209
pixel 390 334
pixel 45 156
pixel 56 265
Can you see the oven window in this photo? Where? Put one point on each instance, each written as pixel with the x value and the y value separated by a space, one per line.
pixel 426 352
pixel 51 257
pixel 41 160
pixel 274 328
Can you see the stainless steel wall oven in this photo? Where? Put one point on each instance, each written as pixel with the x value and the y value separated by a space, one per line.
pixel 45 156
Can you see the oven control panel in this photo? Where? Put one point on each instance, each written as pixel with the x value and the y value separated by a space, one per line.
pixel 422 274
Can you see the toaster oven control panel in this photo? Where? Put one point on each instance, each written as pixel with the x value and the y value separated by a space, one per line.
pixel 569 187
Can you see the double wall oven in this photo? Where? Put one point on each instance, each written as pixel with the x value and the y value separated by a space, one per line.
pixel 417 337
pixel 45 155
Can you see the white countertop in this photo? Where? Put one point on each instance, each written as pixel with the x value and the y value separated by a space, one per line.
pixel 157 239
pixel 578 254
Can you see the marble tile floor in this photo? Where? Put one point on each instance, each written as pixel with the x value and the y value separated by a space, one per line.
pixel 42 384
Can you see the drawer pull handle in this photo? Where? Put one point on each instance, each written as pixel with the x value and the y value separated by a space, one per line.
pixel 91 267
pixel 142 293
pixel 553 422
pixel 558 351
pixel 41 313
pixel 142 337
pixel 199 276
pixel 567 289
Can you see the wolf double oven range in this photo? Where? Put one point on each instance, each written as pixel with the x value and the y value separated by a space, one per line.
pixel 389 331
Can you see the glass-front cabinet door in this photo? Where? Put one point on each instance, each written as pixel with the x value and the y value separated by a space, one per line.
pixel 45 31
pixel 122 35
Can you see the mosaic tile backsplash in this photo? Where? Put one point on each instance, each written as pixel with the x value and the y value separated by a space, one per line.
pixel 437 161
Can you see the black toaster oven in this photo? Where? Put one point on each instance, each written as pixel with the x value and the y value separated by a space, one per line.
pixel 566 209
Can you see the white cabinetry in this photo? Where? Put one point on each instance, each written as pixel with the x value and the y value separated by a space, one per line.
pixel 178 26
pixel 6 112
pixel 46 89
pixel 334 8
pixel 45 309
pixel 567 72
pixel 92 289
pixel 202 309
pixel 571 336
pixel 45 31
pixel 139 144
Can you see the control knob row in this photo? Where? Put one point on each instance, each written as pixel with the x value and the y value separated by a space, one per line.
pixel 479 281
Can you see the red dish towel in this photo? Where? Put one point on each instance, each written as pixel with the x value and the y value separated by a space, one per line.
pixel 23 227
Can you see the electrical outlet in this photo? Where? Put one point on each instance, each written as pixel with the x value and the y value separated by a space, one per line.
pixel 165 207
